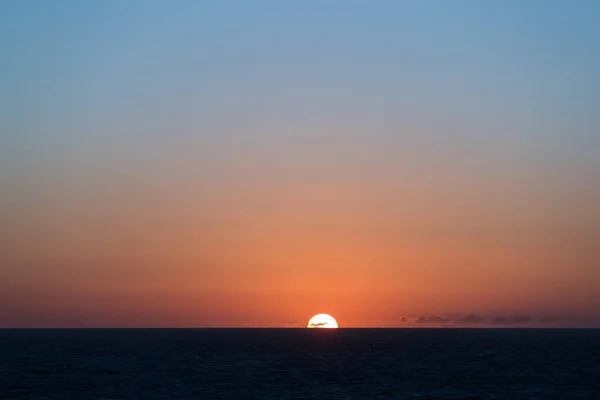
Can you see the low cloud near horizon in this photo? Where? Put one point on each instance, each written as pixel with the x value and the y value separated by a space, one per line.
pixel 470 319
pixel 437 319
pixel 512 321
pixel 473 319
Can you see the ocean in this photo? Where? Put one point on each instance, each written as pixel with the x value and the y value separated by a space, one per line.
pixel 111 364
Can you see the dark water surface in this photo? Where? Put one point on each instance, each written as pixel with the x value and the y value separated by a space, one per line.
pixel 300 364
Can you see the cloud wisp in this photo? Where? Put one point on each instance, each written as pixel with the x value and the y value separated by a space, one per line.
pixel 432 319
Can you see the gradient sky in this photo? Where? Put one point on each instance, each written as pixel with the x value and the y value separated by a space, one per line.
pixel 253 163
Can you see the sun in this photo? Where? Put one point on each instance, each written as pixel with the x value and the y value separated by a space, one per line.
pixel 322 321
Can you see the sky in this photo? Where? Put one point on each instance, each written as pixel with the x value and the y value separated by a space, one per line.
pixel 251 164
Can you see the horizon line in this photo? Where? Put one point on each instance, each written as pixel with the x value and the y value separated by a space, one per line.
pixel 299 328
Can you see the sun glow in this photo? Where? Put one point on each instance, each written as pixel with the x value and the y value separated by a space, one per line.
pixel 322 321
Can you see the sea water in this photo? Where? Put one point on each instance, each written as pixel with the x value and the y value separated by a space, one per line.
pixel 113 364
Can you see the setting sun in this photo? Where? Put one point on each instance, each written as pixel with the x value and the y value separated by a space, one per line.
pixel 322 321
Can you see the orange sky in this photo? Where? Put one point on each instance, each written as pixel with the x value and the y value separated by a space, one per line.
pixel 262 248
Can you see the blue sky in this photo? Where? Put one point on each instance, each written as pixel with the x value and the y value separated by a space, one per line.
pixel 75 61
pixel 98 79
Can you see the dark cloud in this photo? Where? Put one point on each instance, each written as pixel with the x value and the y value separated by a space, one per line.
pixel 500 321
pixel 431 319
pixel 470 319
